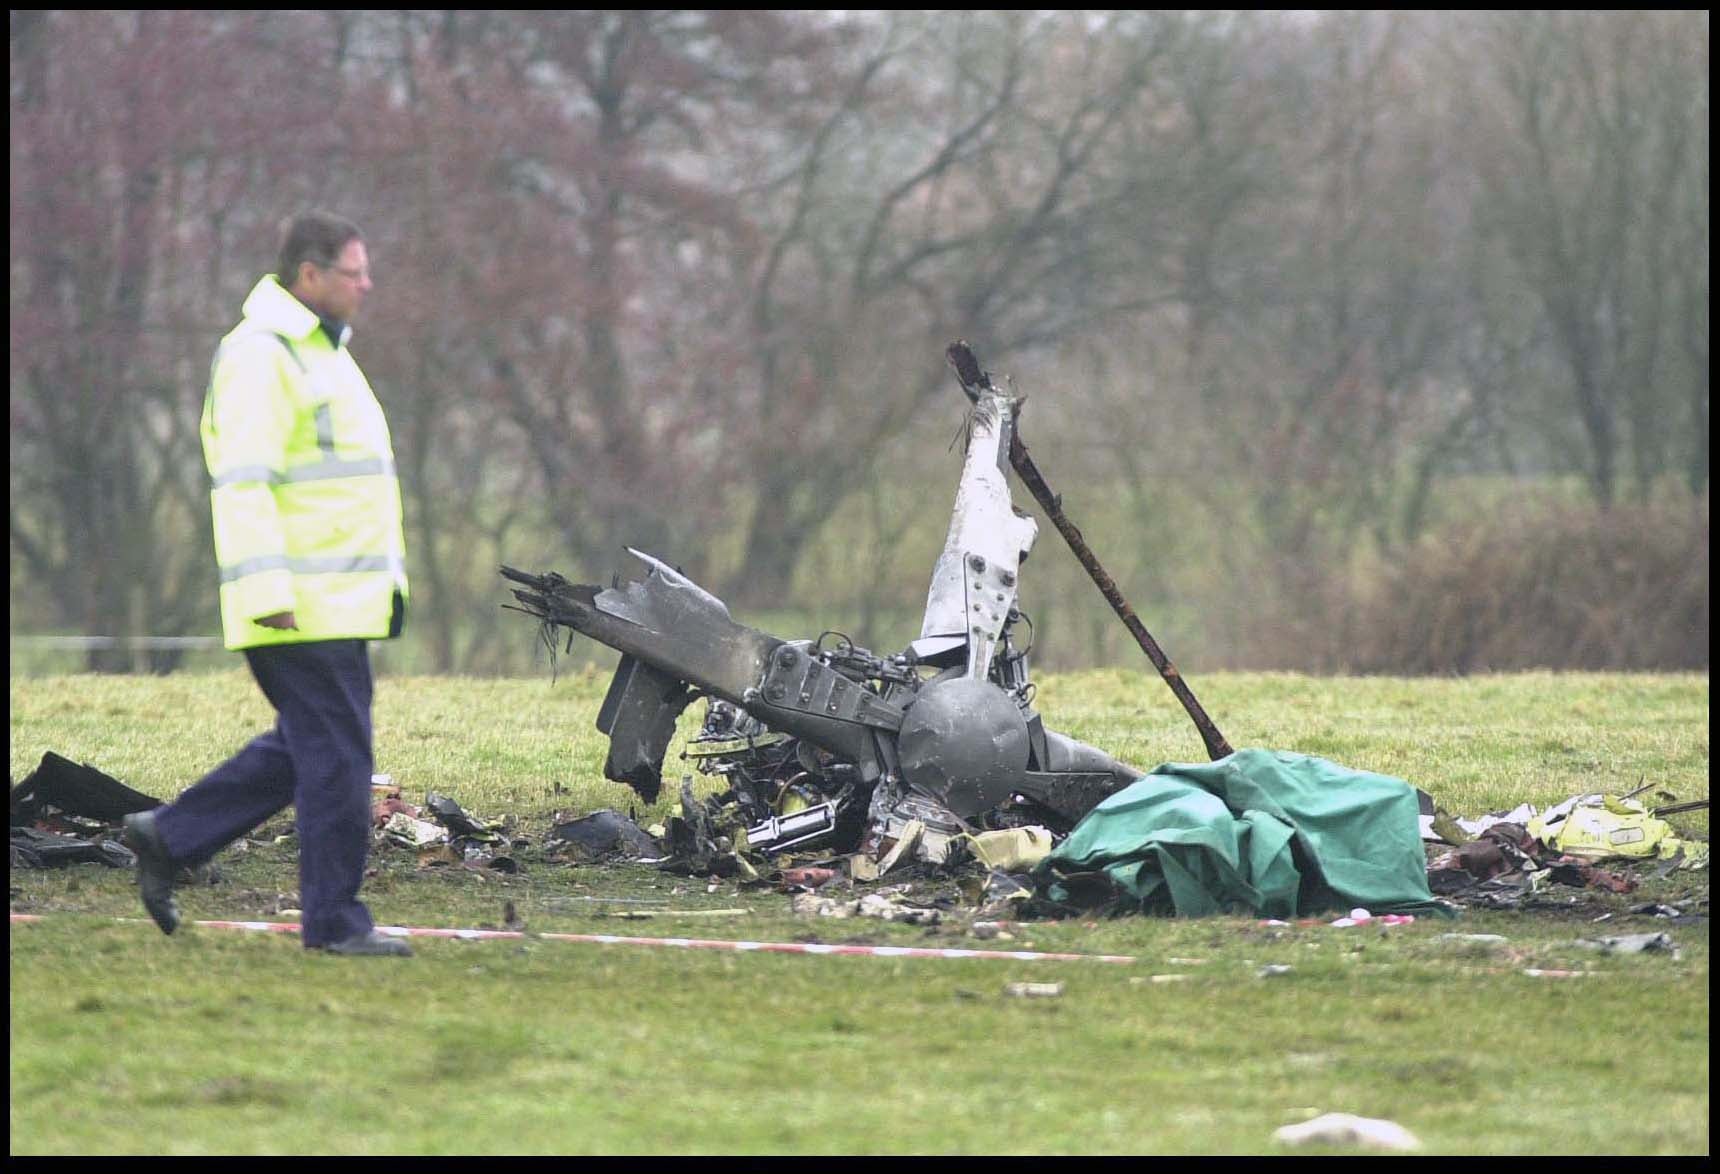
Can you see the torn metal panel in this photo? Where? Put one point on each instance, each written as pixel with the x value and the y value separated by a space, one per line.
pixel 605 833
pixel 973 587
pixel 664 620
pixel 638 714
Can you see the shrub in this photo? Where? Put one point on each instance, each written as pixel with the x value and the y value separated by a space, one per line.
pixel 1555 587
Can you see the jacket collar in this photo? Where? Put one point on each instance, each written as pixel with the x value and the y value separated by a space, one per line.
pixel 270 306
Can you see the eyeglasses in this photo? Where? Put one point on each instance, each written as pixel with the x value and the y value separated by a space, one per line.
pixel 349 274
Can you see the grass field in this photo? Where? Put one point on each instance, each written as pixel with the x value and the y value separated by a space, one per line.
pixel 124 1041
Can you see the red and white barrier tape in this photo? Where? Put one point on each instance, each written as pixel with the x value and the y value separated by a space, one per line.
pixel 604 939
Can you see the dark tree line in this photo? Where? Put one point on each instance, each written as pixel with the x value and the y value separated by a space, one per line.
pixel 682 280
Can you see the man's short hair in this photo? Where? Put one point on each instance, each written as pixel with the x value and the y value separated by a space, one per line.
pixel 317 237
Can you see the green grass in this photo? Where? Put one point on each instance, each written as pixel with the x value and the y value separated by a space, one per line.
pixel 124 1041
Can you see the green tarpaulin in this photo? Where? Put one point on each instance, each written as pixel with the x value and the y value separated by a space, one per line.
pixel 1258 831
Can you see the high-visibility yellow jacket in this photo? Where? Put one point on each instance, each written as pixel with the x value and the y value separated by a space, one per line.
pixel 305 498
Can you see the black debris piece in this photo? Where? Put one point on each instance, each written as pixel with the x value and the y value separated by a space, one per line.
pixel 605 834
pixel 450 815
pixel 32 848
pixel 75 789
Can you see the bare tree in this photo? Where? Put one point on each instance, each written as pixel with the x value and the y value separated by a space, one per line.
pixel 964 204
pixel 617 377
pixel 682 280
pixel 129 140
pixel 1583 126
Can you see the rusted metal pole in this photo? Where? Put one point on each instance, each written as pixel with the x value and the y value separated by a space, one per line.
pixel 968 371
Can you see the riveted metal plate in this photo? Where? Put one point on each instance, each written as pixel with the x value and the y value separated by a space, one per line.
pixel 794 680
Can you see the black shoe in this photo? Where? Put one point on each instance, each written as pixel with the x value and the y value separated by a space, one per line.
pixel 369 943
pixel 155 869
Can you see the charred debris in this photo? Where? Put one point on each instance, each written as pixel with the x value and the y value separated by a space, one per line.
pixel 831 748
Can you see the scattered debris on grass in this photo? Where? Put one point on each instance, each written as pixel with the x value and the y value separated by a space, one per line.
pixel 980 881
pixel 1010 849
pixel 70 813
pixel 969 890
pixel 885 905
pixel 66 813
pixel 1516 857
pixel 1610 827
pixel 442 834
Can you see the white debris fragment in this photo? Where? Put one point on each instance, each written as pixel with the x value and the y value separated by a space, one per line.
pixel 871 905
pixel 402 829
pixel 879 906
pixel 1631 944
pixel 1347 1129
pixel 1034 990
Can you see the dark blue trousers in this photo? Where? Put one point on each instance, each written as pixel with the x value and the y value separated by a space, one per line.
pixel 317 758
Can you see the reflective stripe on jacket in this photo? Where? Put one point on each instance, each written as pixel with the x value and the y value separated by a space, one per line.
pixel 305 499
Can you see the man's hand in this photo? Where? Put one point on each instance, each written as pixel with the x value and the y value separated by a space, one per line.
pixel 281 619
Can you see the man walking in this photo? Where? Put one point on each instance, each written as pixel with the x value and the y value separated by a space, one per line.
pixel 311 549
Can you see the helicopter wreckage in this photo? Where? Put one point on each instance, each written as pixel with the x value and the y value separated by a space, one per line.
pixel 835 749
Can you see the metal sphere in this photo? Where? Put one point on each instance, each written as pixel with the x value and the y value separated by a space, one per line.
pixel 965 742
